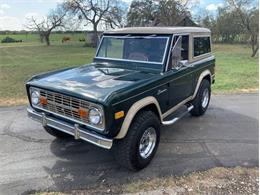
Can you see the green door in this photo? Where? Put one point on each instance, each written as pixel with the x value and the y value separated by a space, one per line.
pixel 181 83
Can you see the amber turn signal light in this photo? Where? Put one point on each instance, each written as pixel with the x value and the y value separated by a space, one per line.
pixel 43 100
pixel 83 112
pixel 119 115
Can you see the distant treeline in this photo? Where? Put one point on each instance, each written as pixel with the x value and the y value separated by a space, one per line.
pixel 8 32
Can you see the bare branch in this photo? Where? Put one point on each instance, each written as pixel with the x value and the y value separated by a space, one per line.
pixel 46 25
pixel 92 11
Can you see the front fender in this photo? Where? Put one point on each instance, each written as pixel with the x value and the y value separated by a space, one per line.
pixel 137 106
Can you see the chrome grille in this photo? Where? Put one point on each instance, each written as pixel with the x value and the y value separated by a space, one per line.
pixel 65 105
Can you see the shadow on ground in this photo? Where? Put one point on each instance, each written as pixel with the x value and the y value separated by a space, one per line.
pixel 220 138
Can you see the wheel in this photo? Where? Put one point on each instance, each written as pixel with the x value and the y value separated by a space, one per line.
pixel 56 133
pixel 201 101
pixel 138 148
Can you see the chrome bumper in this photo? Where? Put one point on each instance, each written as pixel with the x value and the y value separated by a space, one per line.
pixel 68 128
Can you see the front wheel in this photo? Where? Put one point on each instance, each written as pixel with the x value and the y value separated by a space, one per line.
pixel 138 148
pixel 201 101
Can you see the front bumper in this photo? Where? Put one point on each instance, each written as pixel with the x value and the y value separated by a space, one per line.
pixel 68 128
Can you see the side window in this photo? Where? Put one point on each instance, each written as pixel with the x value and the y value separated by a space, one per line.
pixel 201 45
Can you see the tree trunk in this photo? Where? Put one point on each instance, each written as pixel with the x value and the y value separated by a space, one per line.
pixel 95 37
pixel 254 45
pixel 41 38
pixel 254 51
pixel 47 39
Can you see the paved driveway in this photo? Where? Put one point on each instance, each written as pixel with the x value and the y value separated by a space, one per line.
pixel 31 160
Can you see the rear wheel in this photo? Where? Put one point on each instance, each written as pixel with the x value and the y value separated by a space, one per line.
pixel 202 99
pixel 56 133
pixel 138 148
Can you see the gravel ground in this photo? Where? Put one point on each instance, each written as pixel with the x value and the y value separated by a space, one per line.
pixel 213 181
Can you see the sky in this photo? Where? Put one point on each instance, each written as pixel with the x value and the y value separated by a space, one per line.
pixel 13 13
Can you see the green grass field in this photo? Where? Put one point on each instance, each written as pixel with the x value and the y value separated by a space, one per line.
pixel 236 71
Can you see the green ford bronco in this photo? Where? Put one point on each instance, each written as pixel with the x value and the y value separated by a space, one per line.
pixel 138 81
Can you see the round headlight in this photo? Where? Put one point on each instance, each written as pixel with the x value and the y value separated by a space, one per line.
pixel 35 97
pixel 95 116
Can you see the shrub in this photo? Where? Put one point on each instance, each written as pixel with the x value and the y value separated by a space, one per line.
pixel 82 40
pixel 10 40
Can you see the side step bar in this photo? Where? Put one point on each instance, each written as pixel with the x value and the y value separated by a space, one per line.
pixel 174 120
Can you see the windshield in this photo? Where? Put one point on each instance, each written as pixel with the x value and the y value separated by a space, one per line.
pixel 146 49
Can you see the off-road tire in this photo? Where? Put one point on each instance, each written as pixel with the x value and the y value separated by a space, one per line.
pixel 126 150
pixel 56 133
pixel 198 109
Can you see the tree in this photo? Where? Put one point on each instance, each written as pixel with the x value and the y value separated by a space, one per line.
pixel 171 12
pixel 141 13
pixel 249 16
pixel 95 12
pixel 157 12
pixel 46 25
pixel 116 16
pixel 205 19
pixel 228 25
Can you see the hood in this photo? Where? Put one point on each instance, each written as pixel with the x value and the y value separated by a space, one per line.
pixel 95 82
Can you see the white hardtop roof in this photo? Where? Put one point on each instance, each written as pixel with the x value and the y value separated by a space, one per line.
pixel 158 30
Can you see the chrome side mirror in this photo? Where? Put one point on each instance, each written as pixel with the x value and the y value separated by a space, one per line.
pixel 184 63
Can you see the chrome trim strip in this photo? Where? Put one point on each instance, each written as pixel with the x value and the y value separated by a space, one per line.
pixel 72 120
pixel 99 46
pixel 209 58
pixel 126 60
pixel 169 55
pixel 116 59
pixel 73 130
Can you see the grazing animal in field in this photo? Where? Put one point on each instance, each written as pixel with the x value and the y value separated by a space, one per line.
pixel 65 39
pixel 82 40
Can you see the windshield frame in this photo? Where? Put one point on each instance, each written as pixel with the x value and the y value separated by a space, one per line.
pixel 132 37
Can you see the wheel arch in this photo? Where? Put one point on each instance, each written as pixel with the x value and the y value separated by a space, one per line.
pixel 206 74
pixel 147 103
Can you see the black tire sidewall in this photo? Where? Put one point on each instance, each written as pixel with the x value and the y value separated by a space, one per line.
pixel 204 85
pixel 126 150
pixel 198 109
pixel 142 162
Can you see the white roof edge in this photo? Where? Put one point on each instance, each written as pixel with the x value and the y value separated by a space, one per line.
pixel 158 30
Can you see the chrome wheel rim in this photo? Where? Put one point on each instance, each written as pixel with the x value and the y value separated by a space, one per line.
pixel 147 142
pixel 205 98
